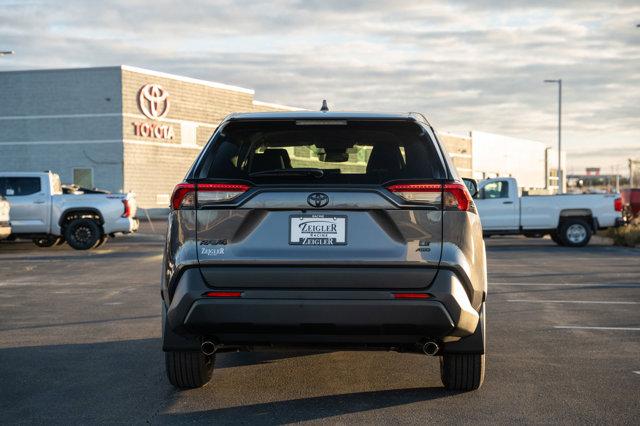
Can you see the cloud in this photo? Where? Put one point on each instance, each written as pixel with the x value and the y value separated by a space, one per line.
pixel 466 64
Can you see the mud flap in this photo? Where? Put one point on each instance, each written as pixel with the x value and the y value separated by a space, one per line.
pixel 176 342
pixel 476 343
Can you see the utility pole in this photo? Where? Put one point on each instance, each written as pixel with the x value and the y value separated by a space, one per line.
pixel 560 173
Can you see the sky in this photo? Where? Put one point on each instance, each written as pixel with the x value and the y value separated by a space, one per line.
pixel 467 65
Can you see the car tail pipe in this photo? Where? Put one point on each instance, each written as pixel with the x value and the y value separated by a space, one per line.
pixel 430 348
pixel 208 348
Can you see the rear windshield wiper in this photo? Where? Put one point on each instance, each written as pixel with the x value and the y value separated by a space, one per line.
pixel 317 173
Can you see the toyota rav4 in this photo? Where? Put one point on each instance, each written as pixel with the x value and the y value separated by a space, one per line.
pixel 324 230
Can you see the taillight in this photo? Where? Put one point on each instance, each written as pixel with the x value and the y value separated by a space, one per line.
pixel 456 195
pixel 184 194
pixel 127 208
pixel 418 192
pixel 216 192
pixel 617 204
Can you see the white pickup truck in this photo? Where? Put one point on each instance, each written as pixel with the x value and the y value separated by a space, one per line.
pixel 569 219
pixel 41 212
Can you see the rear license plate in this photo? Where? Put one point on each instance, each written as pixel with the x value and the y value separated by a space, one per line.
pixel 317 230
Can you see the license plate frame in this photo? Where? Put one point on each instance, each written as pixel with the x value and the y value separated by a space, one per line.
pixel 322 238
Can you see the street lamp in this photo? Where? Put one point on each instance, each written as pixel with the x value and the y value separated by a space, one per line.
pixel 560 175
pixel 6 52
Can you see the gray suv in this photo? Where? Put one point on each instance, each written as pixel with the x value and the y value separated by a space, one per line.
pixel 324 230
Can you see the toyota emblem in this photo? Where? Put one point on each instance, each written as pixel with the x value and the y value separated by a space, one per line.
pixel 153 101
pixel 318 199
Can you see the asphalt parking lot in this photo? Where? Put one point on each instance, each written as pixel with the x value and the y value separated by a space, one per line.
pixel 80 342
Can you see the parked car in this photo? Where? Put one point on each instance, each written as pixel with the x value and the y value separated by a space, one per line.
pixel 41 212
pixel 324 230
pixel 5 224
pixel 570 219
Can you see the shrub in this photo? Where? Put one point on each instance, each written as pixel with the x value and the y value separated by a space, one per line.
pixel 628 235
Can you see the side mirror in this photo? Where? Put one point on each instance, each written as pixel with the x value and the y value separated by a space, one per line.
pixel 471 185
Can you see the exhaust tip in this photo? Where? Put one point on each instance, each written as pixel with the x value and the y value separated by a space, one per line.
pixel 430 348
pixel 208 348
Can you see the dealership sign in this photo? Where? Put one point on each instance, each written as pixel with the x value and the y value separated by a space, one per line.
pixel 153 101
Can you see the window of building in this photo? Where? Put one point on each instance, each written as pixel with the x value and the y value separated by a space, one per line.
pixel 19 186
pixel 83 177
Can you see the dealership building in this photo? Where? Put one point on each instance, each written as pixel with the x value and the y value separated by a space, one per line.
pixel 116 128
pixel 127 129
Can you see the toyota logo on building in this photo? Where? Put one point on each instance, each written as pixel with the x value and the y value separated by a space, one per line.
pixel 318 199
pixel 154 101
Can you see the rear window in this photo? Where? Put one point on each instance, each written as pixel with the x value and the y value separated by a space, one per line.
pixel 346 152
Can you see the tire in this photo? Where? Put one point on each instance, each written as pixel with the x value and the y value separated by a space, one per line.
pixel 83 234
pixel 188 370
pixel 48 241
pixel 462 372
pixel 556 239
pixel 575 233
pixel 102 241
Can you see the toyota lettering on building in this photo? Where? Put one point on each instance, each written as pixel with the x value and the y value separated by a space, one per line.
pixel 153 101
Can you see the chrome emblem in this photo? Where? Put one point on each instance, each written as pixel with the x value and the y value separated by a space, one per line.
pixel 318 199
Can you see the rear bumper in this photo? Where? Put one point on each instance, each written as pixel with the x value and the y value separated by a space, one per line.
pixel 126 225
pixel 368 318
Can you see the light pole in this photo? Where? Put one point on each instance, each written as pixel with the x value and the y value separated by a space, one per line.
pixel 560 174
pixel 6 52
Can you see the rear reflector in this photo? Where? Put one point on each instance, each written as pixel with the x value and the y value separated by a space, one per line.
pixel 456 195
pixel 411 295
pixel 184 193
pixel 617 204
pixel 223 294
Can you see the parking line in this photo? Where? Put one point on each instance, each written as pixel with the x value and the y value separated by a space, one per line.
pixel 579 327
pixel 637 372
pixel 599 302
pixel 631 285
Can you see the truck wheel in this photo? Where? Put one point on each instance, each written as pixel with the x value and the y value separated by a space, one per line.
pixel 575 233
pixel 187 370
pixel 49 241
pixel 462 372
pixel 102 241
pixel 82 234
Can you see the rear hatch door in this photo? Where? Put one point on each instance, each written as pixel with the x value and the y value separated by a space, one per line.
pixel 344 204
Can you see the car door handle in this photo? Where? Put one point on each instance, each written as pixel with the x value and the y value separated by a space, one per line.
pixel 38 202
pixel 507 202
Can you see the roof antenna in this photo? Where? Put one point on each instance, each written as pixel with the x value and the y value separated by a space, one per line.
pixel 324 107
